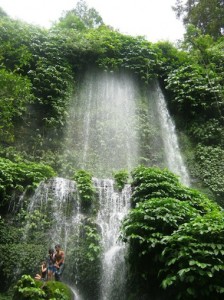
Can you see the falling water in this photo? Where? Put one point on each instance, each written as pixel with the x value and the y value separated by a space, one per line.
pixel 113 207
pixel 116 124
pixel 113 125
pixel 57 198
pixel 174 160
pixel 101 129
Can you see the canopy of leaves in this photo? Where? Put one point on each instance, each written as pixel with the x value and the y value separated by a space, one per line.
pixel 85 187
pixel 210 164
pixel 83 17
pixel 207 15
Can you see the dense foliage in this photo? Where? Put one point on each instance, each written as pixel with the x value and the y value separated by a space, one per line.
pixel 175 233
pixel 86 189
pixel 84 263
pixel 121 178
pixel 19 177
pixel 175 236
pixel 207 15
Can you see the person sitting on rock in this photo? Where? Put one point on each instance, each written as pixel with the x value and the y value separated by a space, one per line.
pixel 43 275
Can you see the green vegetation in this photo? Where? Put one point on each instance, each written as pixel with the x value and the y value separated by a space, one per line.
pixel 175 236
pixel 207 15
pixel 19 177
pixel 121 178
pixel 85 188
pixel 175 233
pixel 28 288
pixel 84 252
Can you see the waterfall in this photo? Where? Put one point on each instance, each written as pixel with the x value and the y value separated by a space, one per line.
pixel 102 121
pixel 114 123
pixel 58 200
pixel 174 160
pixel 113 207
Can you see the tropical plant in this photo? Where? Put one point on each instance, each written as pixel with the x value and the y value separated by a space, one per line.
pixel 158 224
pixel 84 259
pixel 121 178
pixel 16 178
pixel 15 96
pixel 85 187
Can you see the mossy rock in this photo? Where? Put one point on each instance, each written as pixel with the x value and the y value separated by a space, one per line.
pixel 29 288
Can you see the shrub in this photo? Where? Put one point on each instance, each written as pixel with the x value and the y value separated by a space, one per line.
pixel 85 188
pixel 121 178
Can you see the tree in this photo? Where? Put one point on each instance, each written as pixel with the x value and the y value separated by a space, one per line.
pixel 81 18
pixel 207 15
pixel 89 16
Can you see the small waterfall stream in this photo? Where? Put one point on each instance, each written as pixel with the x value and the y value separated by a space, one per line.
pixel 174 160
pixel 58 200
pixel 113 207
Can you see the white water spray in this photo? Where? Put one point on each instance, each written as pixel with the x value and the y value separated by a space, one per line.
pixel 101 128
pixel 174 160
pixel 113 207
pixel 58 199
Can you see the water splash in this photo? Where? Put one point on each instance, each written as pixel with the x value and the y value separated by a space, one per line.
pixel 75 293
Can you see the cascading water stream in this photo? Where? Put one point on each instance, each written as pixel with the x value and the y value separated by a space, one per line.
pixel 113 207
pixel 58 199
pixel 173 155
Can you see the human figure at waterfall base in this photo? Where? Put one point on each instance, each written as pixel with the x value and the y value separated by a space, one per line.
pixel 43 275
pixel 51 268
pixel 59 262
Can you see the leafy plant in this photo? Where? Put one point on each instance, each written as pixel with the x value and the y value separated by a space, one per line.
pixel 85 188
pixel 26 289
pixel 188 222
pixel 15 178
pixel 15 96
pixel 193 258
pixel 121 178
pixel 209 166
